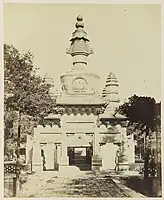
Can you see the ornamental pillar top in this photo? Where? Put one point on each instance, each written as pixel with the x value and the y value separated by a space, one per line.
pixel 79 48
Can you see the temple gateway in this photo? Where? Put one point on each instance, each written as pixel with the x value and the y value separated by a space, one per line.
pixel 85 133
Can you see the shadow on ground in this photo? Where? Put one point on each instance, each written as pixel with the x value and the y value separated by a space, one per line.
pixel 149 187
pixel 96 186
pixel 88 185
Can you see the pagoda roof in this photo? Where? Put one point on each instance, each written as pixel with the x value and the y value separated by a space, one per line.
pixel 79 40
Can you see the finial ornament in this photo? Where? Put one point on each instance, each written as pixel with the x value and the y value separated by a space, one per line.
pixel 79 23
pixel 79 18
pixel 79 48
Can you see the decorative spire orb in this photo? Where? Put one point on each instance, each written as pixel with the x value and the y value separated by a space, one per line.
pixel 112 75
pixel 79 18
pixel 79 23
pixel 79 43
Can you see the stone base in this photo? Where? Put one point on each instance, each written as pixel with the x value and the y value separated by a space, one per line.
pixel 106 169
pixel 37 168
pixel 68 168
pixel 96 163
pixel 96 168
pixel 123 167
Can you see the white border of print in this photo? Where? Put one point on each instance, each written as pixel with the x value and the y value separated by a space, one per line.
pixel 78 1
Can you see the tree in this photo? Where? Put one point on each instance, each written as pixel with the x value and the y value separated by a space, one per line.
pixel 26 94
pixel 144 115
pixel 31 94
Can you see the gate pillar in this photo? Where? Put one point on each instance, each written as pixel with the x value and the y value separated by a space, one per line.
pixel 37 161
pixel 64 160
pixel 96 159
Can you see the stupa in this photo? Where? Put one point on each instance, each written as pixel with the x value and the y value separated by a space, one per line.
pixel 85 132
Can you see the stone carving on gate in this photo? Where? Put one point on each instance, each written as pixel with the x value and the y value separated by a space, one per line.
pixel 102 128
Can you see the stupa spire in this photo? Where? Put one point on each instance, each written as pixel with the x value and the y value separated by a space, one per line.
pixel 112 88
pixel 79 23
pixel 79 48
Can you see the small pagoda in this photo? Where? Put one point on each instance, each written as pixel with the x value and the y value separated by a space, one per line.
pixel 111 118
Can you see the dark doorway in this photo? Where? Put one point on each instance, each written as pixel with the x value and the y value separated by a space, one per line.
pixel 80 157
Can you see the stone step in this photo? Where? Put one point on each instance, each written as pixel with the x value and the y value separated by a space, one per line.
pixel 84 167
pixel 79 160
pixel 76 156
pixel 81 163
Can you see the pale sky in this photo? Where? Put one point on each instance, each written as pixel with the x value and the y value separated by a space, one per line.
pixel 125 39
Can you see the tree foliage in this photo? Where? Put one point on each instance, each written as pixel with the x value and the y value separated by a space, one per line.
pixel 25 92
pixel 143 113
pixel 30 92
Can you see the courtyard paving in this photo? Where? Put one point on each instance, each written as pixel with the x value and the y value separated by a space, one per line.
pixel 87 184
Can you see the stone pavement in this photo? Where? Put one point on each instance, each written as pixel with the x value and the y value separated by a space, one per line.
pixel 33 184
pixel 86 184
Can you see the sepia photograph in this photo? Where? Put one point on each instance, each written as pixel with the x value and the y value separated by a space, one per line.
pixel 82 100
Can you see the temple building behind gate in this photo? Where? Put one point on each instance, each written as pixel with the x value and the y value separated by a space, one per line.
pixel 85 133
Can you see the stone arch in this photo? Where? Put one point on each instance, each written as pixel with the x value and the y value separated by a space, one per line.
pixel 39 127
pixel 55 126
pixel 47 126
pixel 102 128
